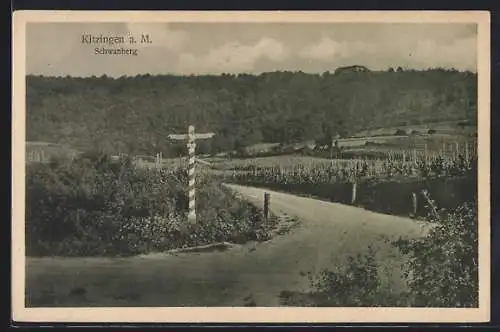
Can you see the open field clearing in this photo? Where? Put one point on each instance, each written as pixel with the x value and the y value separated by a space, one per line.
pixel 44 151
pixel 444 127
pixel 404 142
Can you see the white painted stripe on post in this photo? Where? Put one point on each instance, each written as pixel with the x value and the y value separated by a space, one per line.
pixel 192 192
pixel 191 145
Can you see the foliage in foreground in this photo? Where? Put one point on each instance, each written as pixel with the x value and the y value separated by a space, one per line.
pixel 441 271
pixel 96 206
pixel 443 267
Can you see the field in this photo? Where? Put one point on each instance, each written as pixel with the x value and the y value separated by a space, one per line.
pixel 332 179
pixel 44 151
pixel 284 161
pixel 442 127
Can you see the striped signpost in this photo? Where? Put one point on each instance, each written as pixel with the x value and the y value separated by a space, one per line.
pixel 191 145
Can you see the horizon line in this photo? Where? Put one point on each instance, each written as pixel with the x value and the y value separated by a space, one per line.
pixel 327 72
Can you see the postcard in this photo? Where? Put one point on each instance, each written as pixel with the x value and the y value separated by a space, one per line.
pixel 251 167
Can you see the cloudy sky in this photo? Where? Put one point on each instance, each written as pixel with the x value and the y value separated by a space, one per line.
pixel 214 48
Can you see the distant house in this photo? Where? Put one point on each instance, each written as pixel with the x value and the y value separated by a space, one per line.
pixel 352 69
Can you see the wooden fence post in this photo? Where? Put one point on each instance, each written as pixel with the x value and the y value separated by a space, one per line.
pixel 354 189
pixel 467 152
pixel 414 203
pixel 267 199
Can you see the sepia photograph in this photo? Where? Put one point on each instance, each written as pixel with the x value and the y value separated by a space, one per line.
pixel 265 166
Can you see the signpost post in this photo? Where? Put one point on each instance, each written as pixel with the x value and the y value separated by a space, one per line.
pixel 191 145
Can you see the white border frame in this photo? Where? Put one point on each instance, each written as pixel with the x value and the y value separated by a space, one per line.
pixel 245 314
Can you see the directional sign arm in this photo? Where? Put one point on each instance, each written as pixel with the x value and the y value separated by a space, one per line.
pixel 204 136
pixel 178 137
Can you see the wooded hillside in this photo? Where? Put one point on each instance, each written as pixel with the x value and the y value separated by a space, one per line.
pixel 135 114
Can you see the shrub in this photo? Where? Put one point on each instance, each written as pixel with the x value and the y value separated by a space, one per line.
pixel 443 266
pixel 441 271
pixel 415 132
pixel 357 284
pixel 96 206
pixel 400 132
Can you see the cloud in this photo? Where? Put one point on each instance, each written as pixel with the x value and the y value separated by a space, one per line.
pixel 160 35
pixel 234 56
pixel 329 49
pixel 424 51
pixel 460 53
pixel 56 48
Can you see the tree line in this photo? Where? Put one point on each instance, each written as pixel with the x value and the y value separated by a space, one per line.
pixel 136 114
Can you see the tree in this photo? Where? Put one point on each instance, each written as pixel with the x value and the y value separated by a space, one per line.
pixel 273 107
pixel 415 132
pixel 400 132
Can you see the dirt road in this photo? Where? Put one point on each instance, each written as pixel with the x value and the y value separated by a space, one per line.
pixel 247 275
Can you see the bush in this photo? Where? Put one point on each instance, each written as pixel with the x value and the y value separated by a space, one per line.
pixel 358 284
pixel 443 267
pixel 441 271
pixel 96 206
pixel 400 132
pixel 415 133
